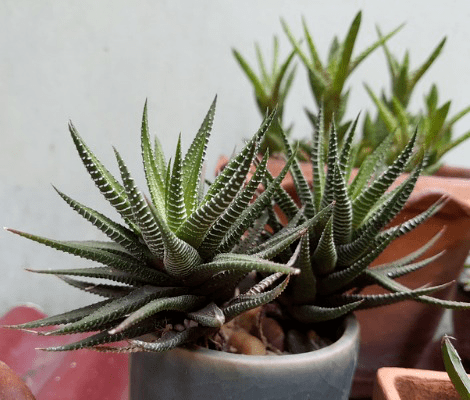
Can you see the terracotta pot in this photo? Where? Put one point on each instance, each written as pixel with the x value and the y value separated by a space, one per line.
pixel 413 384
pixel 11 386
pixel 211 375
pixel 399 335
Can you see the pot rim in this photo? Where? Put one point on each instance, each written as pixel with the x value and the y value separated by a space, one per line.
pixel 351 334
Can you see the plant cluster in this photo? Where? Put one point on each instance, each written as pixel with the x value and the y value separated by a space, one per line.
pixel 353 226
pixel 180 255
pixel 328 80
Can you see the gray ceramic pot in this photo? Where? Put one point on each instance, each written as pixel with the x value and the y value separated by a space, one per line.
pixel 207 374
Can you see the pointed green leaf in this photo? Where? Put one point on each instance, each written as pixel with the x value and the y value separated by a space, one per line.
pixel 111 189
pixel 342 212
pixel 116 232
pixel 175 204
pixel 248 302
pixel 141 211
pixel 117 308
pixel 309 314
pixel 154 171
pixel 324 257
pixel 416 76
pixel 455 369
pixel 342 69
pixel 363 203
pixel 100 289
pixel 220 228
pixel 253 211
pixel 194 160
pixel 63 318
pixel 186 302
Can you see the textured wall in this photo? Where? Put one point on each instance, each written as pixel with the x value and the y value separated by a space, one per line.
pixel 96 62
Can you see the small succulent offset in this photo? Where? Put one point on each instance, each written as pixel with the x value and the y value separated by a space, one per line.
pixel 180 254
pixel 328 80
pixel 455 368
pixel 394 114
pixel 351 232
pixel 271 88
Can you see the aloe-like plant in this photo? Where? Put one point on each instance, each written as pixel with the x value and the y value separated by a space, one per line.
pixel 328 80
pixel 179 254
pixel 394 114
pixel 352 229
pixel 271 88
pixel 434 122
pixel 455 369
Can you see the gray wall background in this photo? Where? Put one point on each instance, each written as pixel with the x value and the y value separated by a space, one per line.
pixel 97 62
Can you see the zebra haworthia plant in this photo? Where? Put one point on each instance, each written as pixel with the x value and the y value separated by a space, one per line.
pixel 179 255
pixel 335 256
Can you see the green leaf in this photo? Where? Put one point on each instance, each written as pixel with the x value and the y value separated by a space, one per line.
pixel 194 160
pixel 63 318
pixel 253 211
pixel 324 257
pixel 332 159
pixel 258 86
pixel 411 256
pixel 220 228
pixel 210 316
pixel 363 203
pixel 416 76
pixel 116 232
pixel 385 114
pixel 369 167
pixel 116 309
pixel 142 215
pixel 90 250
pixel 380 300
pixel 100 289
pixel 104 337
pixel 245 263
pixel 172 340
pixel 344 158
pixel 309 314
pixel 342 70
pixel 255 299
pixel 303 287
pixel 381 42
pixel 130 276
pixel 194 229
pixel 455 369
pixel 318 172
pixel 111 189
pixel 175 205
pixel 185 302
pixel 301 184
pixel 285 237
pixel 342 212
pixel 154 171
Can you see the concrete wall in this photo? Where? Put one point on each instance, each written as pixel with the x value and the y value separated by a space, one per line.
pixel 96 62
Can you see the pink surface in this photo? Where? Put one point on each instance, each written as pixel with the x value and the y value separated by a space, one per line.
pixel 75 375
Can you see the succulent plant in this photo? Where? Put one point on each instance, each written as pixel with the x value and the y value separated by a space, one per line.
pixel 328 80
pixel 394 114
pixel 179 255
pixel 271 88
pixel 455 368
pixel 353 231
pixel 328 86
